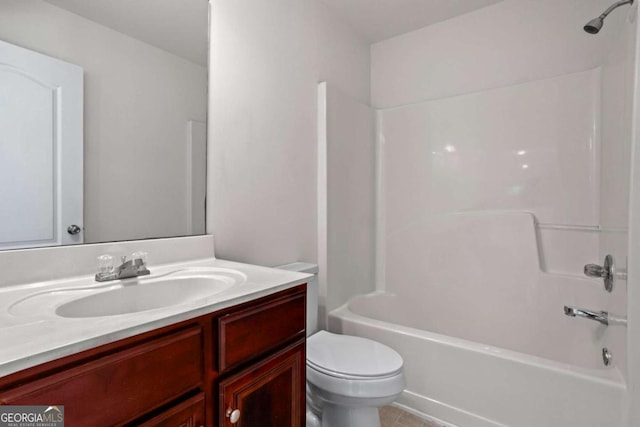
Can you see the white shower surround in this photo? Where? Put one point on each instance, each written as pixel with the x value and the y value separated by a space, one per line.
pixel 529 147
pixel 479 279
pixel 464 292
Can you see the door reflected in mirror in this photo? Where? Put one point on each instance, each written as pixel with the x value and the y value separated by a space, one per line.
pixel 102 120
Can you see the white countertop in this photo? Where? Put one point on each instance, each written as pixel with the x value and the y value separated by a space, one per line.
pixel 39 336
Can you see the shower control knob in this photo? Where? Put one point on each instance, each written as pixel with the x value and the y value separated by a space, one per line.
pixel 233 415
pixel 606 272
pixel 594 270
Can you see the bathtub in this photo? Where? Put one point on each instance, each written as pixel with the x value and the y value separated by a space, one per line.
pixel 465 383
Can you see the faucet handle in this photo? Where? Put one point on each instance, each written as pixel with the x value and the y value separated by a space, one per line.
pixel 607 272
pixel 142 256
pixel 105 265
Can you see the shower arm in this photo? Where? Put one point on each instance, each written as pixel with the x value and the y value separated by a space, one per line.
pixel 614 7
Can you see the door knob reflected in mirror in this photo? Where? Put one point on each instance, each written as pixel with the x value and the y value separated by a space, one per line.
pixel 74 229
pixel 607 272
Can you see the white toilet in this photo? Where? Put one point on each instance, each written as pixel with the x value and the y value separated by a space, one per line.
pixel 348 378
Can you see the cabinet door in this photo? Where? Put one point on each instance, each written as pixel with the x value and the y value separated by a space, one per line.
pixel 268 393
pixel 186 414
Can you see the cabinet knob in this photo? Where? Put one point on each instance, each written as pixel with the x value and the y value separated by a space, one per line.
pixel 233 415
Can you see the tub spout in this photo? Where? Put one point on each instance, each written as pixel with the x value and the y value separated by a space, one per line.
pixel 598 316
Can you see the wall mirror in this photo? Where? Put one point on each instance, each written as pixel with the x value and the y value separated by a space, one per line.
pixel 102 120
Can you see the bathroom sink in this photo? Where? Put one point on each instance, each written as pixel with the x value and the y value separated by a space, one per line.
pixel 152 294
pixel 132 295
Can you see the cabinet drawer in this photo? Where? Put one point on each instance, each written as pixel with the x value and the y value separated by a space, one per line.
pixel 251 332
pixel 120 386
pixel 186 414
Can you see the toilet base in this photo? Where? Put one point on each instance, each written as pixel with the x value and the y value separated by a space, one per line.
pixel 348 416
pixel 312 420
pixel 327 409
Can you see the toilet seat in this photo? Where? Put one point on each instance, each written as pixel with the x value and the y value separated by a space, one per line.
pixel 372 388
pixel 341 375
pixel 345 356
pixel 353 366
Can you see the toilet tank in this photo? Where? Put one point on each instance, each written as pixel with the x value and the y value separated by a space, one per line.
pixel 312 292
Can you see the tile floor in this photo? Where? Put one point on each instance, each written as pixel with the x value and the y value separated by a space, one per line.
pixel 394 417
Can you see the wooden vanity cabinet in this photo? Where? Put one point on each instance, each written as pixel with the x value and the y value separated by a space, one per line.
pixel 270 391
pixel 117 387
pixel 249 358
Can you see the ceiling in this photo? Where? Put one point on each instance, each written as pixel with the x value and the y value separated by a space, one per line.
pixel 382 19
pixel 177 26
pixel 180 26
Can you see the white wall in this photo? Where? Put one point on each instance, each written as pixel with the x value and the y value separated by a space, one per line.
pixel 135 170
pixel 510 42
pixel 267 58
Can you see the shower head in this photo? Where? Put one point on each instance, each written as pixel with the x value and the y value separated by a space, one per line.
pixel 595 25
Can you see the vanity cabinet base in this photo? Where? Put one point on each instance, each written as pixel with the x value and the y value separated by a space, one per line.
pixel 183 375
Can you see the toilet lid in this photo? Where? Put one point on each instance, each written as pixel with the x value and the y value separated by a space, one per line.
pixel 347 355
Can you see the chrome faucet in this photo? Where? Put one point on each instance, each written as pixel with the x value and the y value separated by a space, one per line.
pixel 137 266
pixel 598 316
